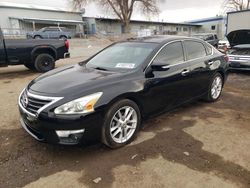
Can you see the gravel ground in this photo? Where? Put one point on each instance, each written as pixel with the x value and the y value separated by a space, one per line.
pixel 198 145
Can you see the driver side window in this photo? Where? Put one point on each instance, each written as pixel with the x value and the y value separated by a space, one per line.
pixel 170 54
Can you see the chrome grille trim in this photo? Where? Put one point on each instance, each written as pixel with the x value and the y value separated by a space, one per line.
pixel 45 102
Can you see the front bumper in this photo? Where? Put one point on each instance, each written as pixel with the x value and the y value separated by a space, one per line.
pixel 43 128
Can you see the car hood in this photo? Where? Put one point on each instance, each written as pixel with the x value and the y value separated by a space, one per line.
pixel 239 37
pixel 71 80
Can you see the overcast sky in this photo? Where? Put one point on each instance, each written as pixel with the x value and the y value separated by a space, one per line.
pixel 171 10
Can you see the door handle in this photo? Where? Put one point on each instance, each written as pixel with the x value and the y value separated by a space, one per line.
pixel 185 72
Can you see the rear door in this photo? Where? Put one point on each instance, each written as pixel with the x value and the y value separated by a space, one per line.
pixel 200 63
pixel 168 88
pixel 2 50
pixel 44 33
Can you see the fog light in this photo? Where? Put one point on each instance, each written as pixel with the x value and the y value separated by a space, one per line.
pixel 67 133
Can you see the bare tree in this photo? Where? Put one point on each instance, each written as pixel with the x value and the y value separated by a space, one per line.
pixel 248 4
pixel 236 5
pixel 123 9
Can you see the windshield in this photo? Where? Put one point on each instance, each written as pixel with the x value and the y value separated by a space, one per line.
pixel 224 39
pixel 64 29
pixel 125 56
pixel 41 29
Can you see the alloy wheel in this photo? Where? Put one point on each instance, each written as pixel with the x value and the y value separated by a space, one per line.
pixel 216 87
pixel 123 124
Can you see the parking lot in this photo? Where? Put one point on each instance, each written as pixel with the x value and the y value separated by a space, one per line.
pixel 197 145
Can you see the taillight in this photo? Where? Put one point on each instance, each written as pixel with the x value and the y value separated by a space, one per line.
pixel 67 44
pixel 226 58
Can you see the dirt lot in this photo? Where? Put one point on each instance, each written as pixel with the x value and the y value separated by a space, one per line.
pixel 198 145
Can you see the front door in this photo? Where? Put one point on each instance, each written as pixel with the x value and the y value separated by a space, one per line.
pixel 165 89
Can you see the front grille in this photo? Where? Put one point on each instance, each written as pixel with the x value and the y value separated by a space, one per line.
pixel 32 103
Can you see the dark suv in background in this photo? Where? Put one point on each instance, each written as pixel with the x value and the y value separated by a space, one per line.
pixel 208 37
pixel 50 33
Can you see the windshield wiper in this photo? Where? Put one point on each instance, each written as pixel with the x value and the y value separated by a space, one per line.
pixel 100 68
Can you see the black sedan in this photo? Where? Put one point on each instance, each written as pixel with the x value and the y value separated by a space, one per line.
pixel 107 96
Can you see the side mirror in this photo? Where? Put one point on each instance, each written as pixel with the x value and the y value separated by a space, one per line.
pixel 160 66
pixel 156 66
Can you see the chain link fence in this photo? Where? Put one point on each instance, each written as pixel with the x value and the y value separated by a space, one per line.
pixel 14 33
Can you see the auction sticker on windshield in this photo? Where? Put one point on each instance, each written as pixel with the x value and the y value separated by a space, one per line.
pixel 125 65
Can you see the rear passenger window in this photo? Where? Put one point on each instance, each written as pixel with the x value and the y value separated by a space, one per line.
pixel 171 54
pixel 195 50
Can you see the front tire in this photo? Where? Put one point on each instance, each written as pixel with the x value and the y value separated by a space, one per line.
pixel 215 88
pixel 44 63
pixel 121 124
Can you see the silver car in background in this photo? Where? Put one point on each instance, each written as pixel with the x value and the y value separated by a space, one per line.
pixel 50 33
pixel 239 54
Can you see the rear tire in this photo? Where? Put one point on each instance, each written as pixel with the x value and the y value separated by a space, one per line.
pixel 215 88
pixel 121 124
pixel 44 63
pixel 63 37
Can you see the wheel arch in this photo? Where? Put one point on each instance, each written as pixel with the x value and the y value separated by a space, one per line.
pixel 129 96
pixel 37 35
pixel 222 73
pixel 43 50
pixel 63 36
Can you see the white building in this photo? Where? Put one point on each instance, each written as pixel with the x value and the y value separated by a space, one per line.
pixel 216 25
pixel 17 19
pixel 112 26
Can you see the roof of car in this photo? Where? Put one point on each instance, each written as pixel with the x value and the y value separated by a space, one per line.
pixel 53 27
pixel 204 34
pixel 160 38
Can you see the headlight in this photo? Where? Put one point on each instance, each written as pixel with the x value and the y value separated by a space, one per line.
pixel 79 106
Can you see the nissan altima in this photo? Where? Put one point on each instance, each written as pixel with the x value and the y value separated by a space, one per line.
pixel 107 96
